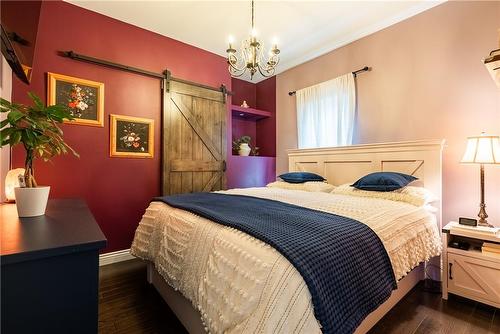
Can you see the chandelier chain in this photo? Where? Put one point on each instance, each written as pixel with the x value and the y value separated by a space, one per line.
pixel 252 16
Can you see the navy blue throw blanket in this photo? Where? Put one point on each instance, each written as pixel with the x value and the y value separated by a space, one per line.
pixel 342 261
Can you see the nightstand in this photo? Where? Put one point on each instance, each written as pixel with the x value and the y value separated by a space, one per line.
pixel 470 273
pixel 50 269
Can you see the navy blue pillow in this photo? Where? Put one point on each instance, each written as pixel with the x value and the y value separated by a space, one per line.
pixel 300 177
pixel 383 181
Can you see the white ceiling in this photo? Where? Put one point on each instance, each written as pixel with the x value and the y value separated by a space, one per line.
pixel 304 29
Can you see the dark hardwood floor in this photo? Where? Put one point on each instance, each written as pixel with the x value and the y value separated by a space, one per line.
pixel 128 304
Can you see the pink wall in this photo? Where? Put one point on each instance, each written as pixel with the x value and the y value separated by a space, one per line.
pixel 427 82
pixel 117 190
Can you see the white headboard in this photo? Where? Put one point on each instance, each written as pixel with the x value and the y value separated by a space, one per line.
pixel 346 164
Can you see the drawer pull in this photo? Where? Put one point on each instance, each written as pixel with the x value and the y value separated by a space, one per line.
pixel 449 270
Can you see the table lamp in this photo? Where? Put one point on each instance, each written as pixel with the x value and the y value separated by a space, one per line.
pixel 11 182
pixel 483 149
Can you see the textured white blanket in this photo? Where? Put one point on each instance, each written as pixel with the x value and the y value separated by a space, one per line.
pixel 241 285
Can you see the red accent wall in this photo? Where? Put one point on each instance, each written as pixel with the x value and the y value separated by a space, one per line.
pixel 260 96
pixel 266 128
pixel 244 127
pixel 254 171
pixel 117 190
pixel 243 91
pixel 251 171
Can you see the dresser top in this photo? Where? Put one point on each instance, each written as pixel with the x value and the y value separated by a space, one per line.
pixel 67 227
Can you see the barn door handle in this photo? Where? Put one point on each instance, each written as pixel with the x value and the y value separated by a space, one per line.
pixel 224 166
pixel 449 270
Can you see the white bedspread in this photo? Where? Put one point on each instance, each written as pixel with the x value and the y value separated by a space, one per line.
pixel 241 285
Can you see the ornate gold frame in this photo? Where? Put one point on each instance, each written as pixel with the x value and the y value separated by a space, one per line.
pixel 52 78
pixel 112 138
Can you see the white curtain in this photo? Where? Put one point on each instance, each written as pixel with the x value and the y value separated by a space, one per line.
pixel 325 113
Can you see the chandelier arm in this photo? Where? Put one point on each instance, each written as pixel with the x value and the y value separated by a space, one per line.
pixel 233 61
pixel 235 74
pixel 268 72
pixel 236 68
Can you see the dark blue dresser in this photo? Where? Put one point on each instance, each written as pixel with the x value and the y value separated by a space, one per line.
pixel 50 269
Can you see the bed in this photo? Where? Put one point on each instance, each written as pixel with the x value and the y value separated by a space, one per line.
pixel 263 292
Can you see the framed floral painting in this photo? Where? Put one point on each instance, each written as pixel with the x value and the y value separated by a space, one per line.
pixel 131 137
pixel 84 98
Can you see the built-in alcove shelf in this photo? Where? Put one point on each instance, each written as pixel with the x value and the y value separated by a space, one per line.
pixel 263 157
pixel 249 113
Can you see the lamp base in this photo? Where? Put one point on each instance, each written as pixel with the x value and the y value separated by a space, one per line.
pixel 483 222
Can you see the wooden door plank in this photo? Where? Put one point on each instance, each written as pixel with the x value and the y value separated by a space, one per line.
pixel 199 92
pixel 198 148
pixel 186 112
pixel 213 181
pixel 223 112
pixel 216 133
pixel 186 147
pixel 175 147
pixel 181 165
pixel 165 159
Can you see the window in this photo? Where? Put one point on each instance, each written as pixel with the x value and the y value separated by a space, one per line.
pixel 325 113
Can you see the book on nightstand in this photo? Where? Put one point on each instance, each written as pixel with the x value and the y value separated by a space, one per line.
pixel 491 249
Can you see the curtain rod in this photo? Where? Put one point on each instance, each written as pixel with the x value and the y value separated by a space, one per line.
pixel 364 69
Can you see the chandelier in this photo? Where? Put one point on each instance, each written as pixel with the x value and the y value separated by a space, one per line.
pixel 251 56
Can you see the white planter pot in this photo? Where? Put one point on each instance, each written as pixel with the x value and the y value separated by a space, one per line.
pixel 244 149
pixel 31 202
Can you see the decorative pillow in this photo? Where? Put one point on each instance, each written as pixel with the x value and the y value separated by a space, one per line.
pixel 312 186
pixel 417 196
pixel 383 181
pixel 300 177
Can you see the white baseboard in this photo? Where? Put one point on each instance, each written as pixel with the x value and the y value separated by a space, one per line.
pixel 114 257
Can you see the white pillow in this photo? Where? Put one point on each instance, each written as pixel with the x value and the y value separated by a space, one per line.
pixel 417 196
pixel 312 186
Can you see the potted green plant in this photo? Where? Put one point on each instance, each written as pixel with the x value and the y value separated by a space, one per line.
pixel 36 128
pixel 241 145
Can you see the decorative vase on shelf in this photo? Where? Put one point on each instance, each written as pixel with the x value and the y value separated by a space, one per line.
pixel 244 149
pixel 31 202
pixel 244 104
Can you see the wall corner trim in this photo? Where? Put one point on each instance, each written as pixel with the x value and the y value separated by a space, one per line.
pixel 114 257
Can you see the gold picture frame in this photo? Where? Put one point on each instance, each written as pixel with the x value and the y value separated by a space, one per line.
pixel 131 137
pixel 84 98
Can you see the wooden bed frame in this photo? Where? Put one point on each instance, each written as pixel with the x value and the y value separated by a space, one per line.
pixel 341 165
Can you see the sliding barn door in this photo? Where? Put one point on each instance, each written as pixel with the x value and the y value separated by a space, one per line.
pixel 194 139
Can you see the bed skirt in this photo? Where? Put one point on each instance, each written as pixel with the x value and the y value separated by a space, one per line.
pixel 191 318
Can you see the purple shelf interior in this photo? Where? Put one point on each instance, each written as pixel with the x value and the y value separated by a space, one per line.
pixel 249 113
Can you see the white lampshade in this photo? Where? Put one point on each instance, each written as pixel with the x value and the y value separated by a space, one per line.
pixel 11 182
pixel 483 149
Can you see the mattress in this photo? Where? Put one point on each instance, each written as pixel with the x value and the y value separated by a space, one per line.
pixel 241 285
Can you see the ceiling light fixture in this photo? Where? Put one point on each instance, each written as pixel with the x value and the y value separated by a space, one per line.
pixel 251 56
